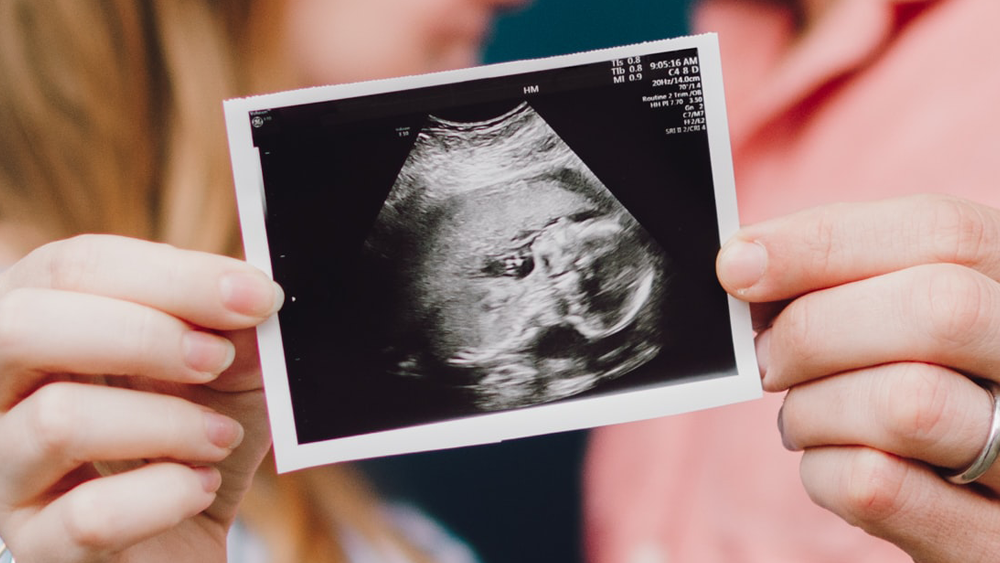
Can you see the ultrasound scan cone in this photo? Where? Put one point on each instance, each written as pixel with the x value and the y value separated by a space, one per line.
pixel 520 277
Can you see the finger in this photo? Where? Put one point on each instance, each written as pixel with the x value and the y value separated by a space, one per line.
pixel 63 425
pixel 106 515
pixel 763 314
pixel 207 290
pixel 905 503
pixel 940 313
pixel 244 373
pixel 836 244
pixel 912 410
pixel 46 331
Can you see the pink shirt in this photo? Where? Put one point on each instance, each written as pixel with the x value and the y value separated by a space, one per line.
pixel 881 98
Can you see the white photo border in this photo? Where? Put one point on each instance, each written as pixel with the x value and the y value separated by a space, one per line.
pixel 673 398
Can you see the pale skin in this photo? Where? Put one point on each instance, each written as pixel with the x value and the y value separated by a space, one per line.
pixel 132 416
pixel 894 306
pixel 185 399
pixel 332 41
pixel 874 318
pixel 870 460
pixel 173 328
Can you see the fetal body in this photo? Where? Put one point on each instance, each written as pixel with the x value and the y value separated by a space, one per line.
pixel 516 274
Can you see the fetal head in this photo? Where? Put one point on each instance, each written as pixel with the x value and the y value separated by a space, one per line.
pixel 556 312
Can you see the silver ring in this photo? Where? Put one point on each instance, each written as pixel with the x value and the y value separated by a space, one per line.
pixel 988 455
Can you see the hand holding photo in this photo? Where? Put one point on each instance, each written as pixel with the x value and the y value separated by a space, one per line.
pixel 493 253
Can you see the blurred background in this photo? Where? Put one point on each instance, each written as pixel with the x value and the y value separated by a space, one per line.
pixel 519 501
pixel 556 27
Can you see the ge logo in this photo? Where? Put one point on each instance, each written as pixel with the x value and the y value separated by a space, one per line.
pixel 257 122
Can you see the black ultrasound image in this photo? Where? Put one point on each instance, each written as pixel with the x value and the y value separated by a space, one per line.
pixel 516 274
pixel 465 249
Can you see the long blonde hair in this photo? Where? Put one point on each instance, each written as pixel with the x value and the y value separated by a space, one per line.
pixel 111 121
pixel 99 103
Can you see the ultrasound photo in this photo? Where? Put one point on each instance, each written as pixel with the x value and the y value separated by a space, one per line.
pixel 518 274
pixel 493 253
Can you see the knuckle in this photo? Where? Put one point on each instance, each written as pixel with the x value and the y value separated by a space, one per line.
pixel 139 328
pixel 86 520
pixel 53 420
pixel 147 338
pixel 183 426
pixel 824 245
pixel 961 233
pixel 71 263
pixel 874 489
pixel 916 406
pixel 794 329
pixel 958 302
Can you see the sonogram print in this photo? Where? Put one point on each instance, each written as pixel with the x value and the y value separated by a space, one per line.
pixel 518 275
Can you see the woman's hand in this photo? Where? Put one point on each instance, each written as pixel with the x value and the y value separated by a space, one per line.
pixel 875 317
pixel 120 439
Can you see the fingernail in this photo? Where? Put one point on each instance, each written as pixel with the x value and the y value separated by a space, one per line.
pixel 781 430
pixel 210 478
pixel 741 264
pixel 251 294
pixel 762 345
pixel 207 353
pixel 223 431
